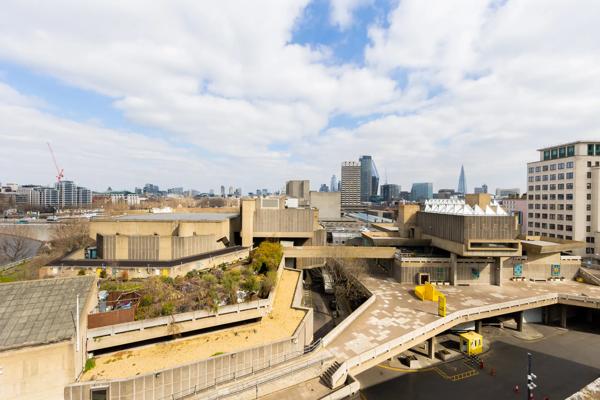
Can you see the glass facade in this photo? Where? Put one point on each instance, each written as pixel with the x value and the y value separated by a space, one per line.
pixel 369 178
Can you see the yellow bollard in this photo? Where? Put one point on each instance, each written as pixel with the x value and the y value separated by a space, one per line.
pixel 441 305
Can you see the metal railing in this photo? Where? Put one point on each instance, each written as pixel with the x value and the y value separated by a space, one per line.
pixel 6 267
pixel 449 321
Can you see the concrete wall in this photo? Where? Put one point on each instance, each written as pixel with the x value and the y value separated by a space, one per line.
pixel 284 220
pixel 194 377
pixel 328 203
pixel 37 373
pixel 143 271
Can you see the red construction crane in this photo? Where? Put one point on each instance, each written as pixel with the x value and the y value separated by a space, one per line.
pixel 59 171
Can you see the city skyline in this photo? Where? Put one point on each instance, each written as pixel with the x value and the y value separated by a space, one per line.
pixel 120 114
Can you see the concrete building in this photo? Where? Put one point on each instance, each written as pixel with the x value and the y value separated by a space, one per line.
pixel 71 195
pixel 163 237
pixel 351 184
pixel 482 189
pixel 421 191
pixel 564 193
pixel 324 188
pixel 369 178
pixel 42 347
pixel 131 199
pixel 327 203
pixel 518 208
pixel 298 189
pixel 390 192
pixel 504 193
pixel 444 194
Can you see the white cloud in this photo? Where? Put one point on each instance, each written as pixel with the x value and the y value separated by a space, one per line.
pixel 342 11
pixel 486 83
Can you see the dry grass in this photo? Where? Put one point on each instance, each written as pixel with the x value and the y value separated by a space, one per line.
pixel 280 323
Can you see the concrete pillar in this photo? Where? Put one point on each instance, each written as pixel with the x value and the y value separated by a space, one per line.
pixel 563 316
pixel 478 326
pixel 431 347
pixel 499 264
pixel 453 268
pixel 519 319
pixel 247 231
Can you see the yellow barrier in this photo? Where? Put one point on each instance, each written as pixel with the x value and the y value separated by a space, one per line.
pixel 427 292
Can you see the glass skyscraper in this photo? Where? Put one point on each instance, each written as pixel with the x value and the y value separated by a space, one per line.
pixel 369 178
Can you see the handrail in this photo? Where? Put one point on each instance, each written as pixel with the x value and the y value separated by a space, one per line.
pixel 6 267
pixel 449 320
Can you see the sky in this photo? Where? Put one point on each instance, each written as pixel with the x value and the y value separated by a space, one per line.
pixel 250 94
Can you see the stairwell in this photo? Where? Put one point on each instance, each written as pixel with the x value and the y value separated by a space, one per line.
pixel 327 376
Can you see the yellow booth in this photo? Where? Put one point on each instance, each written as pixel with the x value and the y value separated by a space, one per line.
pixel 471 343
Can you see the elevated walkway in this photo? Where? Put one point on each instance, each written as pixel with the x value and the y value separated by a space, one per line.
pixel 340 252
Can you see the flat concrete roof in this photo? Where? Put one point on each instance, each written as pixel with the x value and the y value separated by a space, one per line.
pixel 188 217
pixel 41 311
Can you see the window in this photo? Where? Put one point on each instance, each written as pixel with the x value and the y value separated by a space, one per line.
pixel 588 218
pixel 545 178
pixel 537 224
pixel 552 234
pixel 537 187
pixel 588 207
pixel 590 149
pixel 561 207
pixel 99 394
pixel 530 169
pixel 561 186
pixel 553 186
pixel 570 164
pixel 544 197
pixel 569 186
pixel 552 177
pixel 544 216
pixel 530 178
pixel 561 165
pixel 569 207
pixel 530 187
pixel 554 153
pixel 588 186
pixel 530 233
pixel 530 206
pixel 547 154
pixel 552 226
pixel 569 196
pixel 569 228
pixel 537 215
pixel 559 227
pixel 530 197
pixel 598 149
pixel 537 197
pixel 561 176
pixel 544 168
pixel 569 217
pixel 588 228
pixel 538 178
pixel 552 216
pixel 589 175
pixel 560 196
pixel 530 215
pixel 544 187
pixel 544 225
pixel 589 163
pixel 544 206
pixel 589 250
pixel 570 151
pixel 552 167
pixel 562 152
pixel 553 206
pixel 588 196
pixel 537 206
pixel 530 224
pixel 559 217
pixel 537 169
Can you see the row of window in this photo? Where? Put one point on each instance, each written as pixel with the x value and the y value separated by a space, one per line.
pixel 552 177
pixel 551 167
pixel 553 196
pixel 560 152
pixel 568 207
pixel 552 235
pixel 593 150
pixel 544 225
pixel 560 217
pixel 553 186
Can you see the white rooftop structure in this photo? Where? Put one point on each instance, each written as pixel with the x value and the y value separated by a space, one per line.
pixel 456 206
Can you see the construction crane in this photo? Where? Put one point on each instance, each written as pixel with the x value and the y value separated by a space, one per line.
pixel 59 171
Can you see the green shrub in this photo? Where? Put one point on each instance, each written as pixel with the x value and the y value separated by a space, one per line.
pixel 81 272
pixel 167 308
pixel 266 257
pixel 146 300
pixel 268 283
pixel 251 284
pixel 89 364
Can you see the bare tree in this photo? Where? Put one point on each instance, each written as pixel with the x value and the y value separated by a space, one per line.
pixel 14 246
pixel 71 235
pixel 346 274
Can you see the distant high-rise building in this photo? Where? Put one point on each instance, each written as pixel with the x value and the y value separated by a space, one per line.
pixel 176 190
pixel 390 191
pixel 445 194
pixel 70 195
pixel 369 178
pixel 333 184
pixel 265 192
pixel 351 173
pixel 211 192
pixel 482 189
pixel 504 193
pixel 462 181
pixel 151 189
pixel 258 192
pixel 421 191
pixel 222 191
pixel 230 190
pixel 324 188
pixel 298 189
pixel 238 191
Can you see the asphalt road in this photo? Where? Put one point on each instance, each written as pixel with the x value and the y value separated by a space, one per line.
pixel 564 362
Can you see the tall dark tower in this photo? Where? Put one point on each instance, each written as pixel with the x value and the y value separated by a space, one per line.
pixel 462 181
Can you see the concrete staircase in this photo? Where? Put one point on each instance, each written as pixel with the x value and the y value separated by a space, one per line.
pixel 327 376
pixel 591 276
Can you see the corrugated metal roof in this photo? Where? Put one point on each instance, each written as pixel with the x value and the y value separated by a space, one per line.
pixel 40 311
